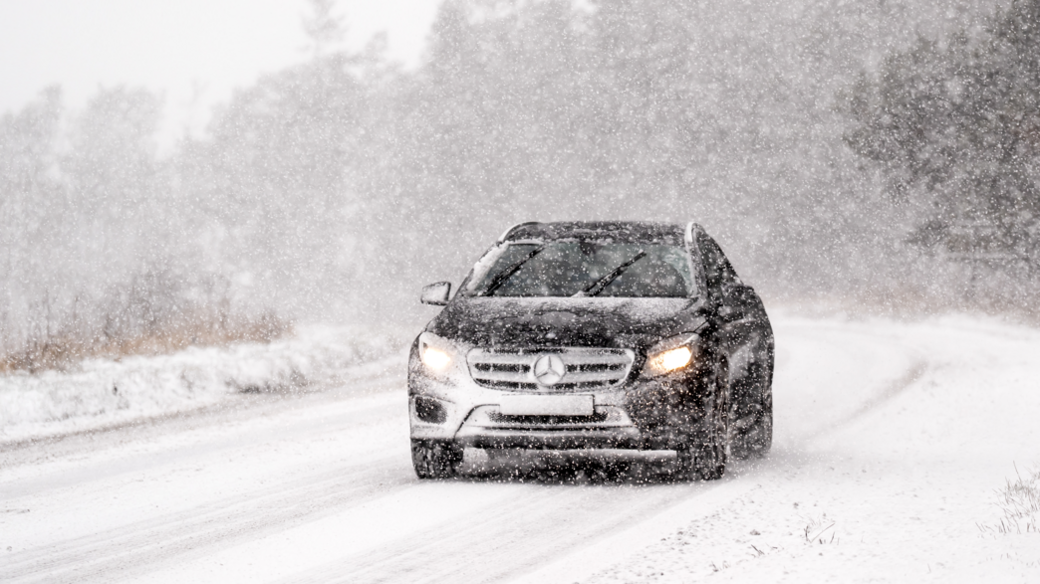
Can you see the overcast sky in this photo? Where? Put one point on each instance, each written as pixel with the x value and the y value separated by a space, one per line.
pixel 193 51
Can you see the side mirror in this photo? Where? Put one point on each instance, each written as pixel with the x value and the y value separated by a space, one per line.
pixel 436 294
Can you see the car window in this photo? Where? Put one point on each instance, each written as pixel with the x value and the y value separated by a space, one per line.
pixel 569 268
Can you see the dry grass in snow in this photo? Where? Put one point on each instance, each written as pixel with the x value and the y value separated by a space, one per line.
pixel 1020 501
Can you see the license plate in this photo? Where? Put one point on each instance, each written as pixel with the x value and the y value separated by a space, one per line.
pixel 547 405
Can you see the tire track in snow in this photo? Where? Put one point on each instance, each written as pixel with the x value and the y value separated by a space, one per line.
pixel 497 544
pixel 890 391
pixel 870 388
pixel 220 523
pixel 367 415
pixel 241 421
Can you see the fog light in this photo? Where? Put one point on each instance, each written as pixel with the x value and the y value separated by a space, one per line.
pixel 430 410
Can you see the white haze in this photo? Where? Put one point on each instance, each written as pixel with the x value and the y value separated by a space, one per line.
pixel 192 52
pixel 335 185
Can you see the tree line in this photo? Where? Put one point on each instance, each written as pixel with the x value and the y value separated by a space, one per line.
pixel 954 125
pixel 834 148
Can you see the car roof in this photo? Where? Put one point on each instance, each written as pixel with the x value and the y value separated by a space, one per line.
pixel 616 231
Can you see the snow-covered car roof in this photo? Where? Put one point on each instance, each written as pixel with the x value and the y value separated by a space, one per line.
pixel 619 231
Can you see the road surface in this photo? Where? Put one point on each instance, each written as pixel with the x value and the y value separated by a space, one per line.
pixel 892 441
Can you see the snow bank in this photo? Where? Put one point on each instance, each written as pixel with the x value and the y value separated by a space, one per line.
pixel 101 392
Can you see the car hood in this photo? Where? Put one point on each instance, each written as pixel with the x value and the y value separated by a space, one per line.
pixel 634 323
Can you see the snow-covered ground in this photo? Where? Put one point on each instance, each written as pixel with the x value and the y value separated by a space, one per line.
pixel 893 441
pixel 100 393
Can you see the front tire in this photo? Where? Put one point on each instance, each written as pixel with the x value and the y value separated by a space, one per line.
pixel 752 413
pixel 435 459
pixel 707 461
pixel 756 438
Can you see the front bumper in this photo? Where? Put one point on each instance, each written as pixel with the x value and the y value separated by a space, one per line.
pixel 659 414
pixel 609 427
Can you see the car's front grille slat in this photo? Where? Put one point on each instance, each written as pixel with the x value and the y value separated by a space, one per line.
pixel 610 377
pixel 513 376
pixel 501 367
pixel 583 368
pixel 589 367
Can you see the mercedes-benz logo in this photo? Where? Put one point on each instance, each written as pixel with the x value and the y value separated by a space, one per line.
pixel 549 369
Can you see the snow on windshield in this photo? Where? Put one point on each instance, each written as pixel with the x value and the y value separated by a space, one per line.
pixel 580 268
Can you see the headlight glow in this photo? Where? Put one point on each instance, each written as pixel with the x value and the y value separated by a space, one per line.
pixel 670 360
pixel 435 359
pixel 672 354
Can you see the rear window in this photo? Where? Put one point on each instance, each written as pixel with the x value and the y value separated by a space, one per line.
pixel 582 268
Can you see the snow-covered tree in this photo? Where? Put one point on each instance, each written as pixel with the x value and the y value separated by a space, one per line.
pixel 955 125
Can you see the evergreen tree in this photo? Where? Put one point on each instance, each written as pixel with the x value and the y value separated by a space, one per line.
pixel 955 126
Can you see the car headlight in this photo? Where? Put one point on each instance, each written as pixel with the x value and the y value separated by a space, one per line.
pixel 435 352
pixel 672 354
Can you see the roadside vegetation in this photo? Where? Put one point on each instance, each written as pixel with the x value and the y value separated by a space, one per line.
pixel 1020 502
pixel 154 313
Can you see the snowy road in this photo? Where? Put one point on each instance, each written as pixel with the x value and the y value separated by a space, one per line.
pixel 891 442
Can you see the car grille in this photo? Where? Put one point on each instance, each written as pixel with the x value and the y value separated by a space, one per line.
pixel 585 369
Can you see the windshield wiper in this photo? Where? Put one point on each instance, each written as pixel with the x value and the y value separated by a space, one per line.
pixel 605 281
pixel 506 274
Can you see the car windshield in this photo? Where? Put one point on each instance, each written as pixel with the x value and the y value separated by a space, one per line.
pixel 583 268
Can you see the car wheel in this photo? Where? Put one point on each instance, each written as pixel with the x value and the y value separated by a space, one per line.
pixel 755 439
pixel 752 411
pixel 435 459
pixel 707 461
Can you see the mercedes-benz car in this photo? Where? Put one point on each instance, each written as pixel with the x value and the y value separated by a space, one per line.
pixel 594 335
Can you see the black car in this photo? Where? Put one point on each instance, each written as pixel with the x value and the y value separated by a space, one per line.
pixel 592 335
